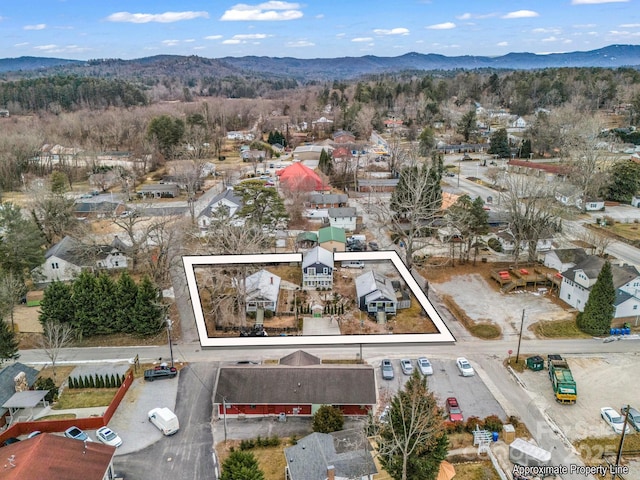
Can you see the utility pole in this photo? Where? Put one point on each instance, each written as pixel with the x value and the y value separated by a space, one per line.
pixel 520 337
pixel 169 325
pixel 614 474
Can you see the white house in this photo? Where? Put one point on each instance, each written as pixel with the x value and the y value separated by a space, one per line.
pixel 590 204
pixel 67 258
pixel 317 269
pixel 375 293
pixel 562 259
pixel 343 217
pixel 223 205
pixel 262 289
pixel 577 282
pixel 519 123
pixel 635 201
pixel 507 240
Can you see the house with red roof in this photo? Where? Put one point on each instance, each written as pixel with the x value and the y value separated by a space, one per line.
pixel 300 178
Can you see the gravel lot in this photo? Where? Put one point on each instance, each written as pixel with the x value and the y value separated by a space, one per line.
pixel 602 382
pixel 483 303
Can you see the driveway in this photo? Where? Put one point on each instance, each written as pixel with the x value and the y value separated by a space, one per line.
pixel 186 455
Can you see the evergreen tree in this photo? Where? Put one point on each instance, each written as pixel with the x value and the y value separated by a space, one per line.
pixel 8 343
pixel 85 303
pixel 56 304
pixel 413 442
pixel 468 127
pixel 80 382
pixel 147 318
pixel 427 142
pixel 241 465
pixel 625 181
pixel 525 149
pixel 328 419
pixel 599 309
pixel 112 382
pixel 126 293
pixel 59 182
pixel 325 163
pixel 167 132
pixel 500 144
pixel 106 309
pixel 21 241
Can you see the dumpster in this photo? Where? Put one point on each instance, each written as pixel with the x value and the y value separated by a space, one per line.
pixel 535 363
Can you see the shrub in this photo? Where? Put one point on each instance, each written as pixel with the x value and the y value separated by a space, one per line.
pixel 472 423
pixel 453 427
pixel 328 419
pixel 495 245
pixel 515 421
pixel 493 423
pixel 47 384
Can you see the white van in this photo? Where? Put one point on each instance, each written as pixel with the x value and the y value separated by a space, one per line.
pixel 165 420
pixel 352 264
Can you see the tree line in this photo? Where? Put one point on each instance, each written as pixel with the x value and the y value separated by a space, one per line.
pixel 68 93
pixel 97 305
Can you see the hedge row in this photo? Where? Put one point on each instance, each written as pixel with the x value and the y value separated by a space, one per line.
pixel 97 381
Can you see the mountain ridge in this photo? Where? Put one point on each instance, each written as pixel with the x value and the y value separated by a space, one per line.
pixel 612 56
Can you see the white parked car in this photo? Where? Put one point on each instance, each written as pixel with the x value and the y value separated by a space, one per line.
pixel 108 437
pixel 425 367
pixel 406 366
pixel 466 370
pixel 614 419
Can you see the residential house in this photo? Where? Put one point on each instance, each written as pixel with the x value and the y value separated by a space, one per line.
pixel 537 169
pixel 578 280
pixel 310 152
pixel 253 156
pixel 224 205
pixel 343 217
pixel 295 388
pixel 342 455
pixel 332 239
pixel 508 242
pixel 317 269
pixel 562 259
pixel 327 200
pixel 277 148
pixel 635 201
pixel 519 123
pixel 375 293
pixel 158 190
pixel 342 136
pixel 307 240
pixel 66 259
pixel 9 384
pixel 262 290
pixel 54 456
pixel 322 124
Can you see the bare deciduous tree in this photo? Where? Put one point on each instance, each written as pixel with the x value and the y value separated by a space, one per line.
pixel 55 337
pixel 12 289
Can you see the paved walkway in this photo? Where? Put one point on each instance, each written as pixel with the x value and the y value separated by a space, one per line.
pixel 321 326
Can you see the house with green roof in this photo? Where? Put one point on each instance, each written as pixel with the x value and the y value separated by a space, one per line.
pixel 333 239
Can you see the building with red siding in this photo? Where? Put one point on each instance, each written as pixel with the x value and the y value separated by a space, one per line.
pixel 298 386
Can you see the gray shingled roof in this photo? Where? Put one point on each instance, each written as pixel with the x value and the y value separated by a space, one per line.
pixel 348 451
pixel 342 212
pixel 7 385
pixel 322 198
pixel 263 284
pixel 66 249
pixel 570 255
pixel 281 384
pixel 300 358
pixel 370 282
pixel 318 255
pixel 228 194
pixel 592 265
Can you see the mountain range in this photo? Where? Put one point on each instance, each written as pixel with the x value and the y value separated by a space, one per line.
pixel 612 56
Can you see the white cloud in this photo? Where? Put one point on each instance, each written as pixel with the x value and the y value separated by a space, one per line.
pixel 464 16
pixel 555 31
pixel 320 16
pixel 595 2
pixel 502 44
pixel 393 31
pixel 189 40
pixel 266 11
pixel 521 14
pixel 250 36
pixel 585 25
pixel 362 39
pixel 630 25
pixel 199 47
pixel 23 44
pixel 340 35
pixel 51 46
pixel 550 39
pixel 213 37
pixel 469 16
pixel 170 43
pixel 166 17
pixel 442 26
pixel 299 44
pixel 40 26
pixel 231 41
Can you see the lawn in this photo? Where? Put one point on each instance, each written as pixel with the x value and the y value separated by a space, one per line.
pixel 558 329
pixel 85 397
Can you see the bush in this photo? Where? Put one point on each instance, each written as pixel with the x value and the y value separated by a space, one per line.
pixel 47 384
pixel 493 423
pixel 515 421
pixel 453 427
pixel 328 419
pixel 472 423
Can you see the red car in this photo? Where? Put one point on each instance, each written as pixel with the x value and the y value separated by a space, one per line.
pixel 455 414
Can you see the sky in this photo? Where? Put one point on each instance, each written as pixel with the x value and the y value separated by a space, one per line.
pixel 89 29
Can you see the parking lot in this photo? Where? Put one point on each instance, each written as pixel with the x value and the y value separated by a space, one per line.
pixel 474 397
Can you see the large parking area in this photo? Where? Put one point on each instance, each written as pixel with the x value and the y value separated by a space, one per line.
pixel 473 396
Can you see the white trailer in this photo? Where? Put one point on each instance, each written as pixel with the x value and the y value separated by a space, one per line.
pixel 527 454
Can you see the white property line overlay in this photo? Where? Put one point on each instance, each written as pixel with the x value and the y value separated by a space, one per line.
pixel 190 262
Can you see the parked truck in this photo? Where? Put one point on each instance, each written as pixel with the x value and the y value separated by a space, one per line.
pixel 564 386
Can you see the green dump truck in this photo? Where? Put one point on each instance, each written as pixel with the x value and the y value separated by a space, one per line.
pixel 564 386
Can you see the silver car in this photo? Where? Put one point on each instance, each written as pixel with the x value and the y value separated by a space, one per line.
pixel 634 416
pixel 425 367
pixel 387 369
pixel 406 366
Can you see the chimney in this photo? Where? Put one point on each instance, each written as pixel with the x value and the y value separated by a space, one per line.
pixel 331 472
